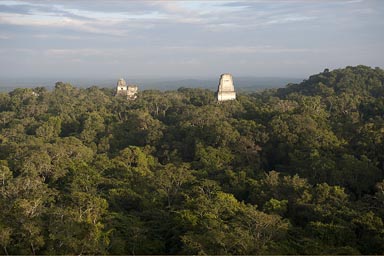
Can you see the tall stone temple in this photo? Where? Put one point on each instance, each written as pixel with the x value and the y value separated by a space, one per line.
pixel 129 91
pixel 226 90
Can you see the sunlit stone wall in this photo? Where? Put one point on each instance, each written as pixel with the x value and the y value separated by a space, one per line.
pixel 226 90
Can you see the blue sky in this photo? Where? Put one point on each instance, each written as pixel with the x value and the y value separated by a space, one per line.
pixel 116 38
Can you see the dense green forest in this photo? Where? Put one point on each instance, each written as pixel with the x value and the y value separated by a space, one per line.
pixel 296 170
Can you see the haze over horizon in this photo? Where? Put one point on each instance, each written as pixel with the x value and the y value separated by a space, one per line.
pixel 105 39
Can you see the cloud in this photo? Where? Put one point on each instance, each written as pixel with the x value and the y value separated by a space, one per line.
pixel 290 18
pixel 21 51
pixel 241 49
pixel 63 15
pixel 119 20
pixel 131 34
pixel 95 26
pixel 33 8
pixel 84 52
pixel 20 9
pixel 5 37
pixel 48 36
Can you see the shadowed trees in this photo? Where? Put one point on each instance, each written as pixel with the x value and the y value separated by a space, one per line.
pixel 296 170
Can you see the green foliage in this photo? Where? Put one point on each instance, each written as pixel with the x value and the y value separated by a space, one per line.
pixel 297 170
pixel 49 129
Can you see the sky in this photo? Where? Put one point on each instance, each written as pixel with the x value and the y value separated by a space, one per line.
pixel 123 38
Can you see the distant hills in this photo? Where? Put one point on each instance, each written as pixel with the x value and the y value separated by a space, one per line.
pixel 241 83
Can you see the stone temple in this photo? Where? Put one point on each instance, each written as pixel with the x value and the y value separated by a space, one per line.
pixel 226 90
pixel 122 89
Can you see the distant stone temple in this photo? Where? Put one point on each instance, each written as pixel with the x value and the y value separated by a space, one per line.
pixel 226 90
pixel 122 89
